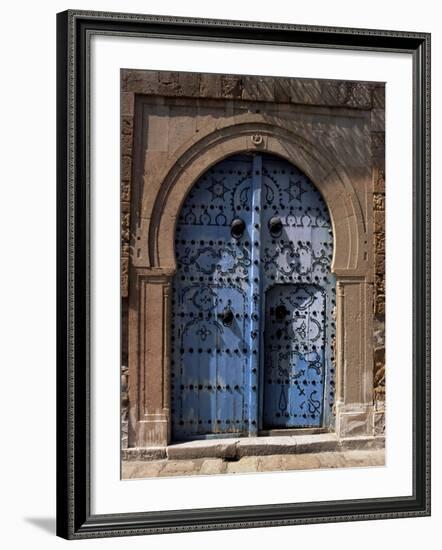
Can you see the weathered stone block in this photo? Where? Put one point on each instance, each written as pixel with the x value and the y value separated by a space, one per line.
pixel 379 263
pixel 379 243
pixel 379 201
pixel 140 453
pixel 180 128
pixel 379 374
pixel 354 424
pixel 378 144
pixel 379 333
pixel 178 84
pixel 210 86
pixel 379 423
pixel 169 83
pixel 158 130
pixel 379 180
pixel 127 103
pixel 379 221
pixel 355 94
pixel 125 191
pixel 125 249
pixel 213 466
pixel 126 145
pixel 365 444
pixel 317 443
pixel 379 97
pixel 231 86
pixel 203 449
pixel 246 464
pixel 380 305
pixel 189 84
pixel 305 92
pixel 142 469
pixel 152 433
pixel 126 168
pixel 380 283
pixel 258 88
pixel 270 446
pixel 282 90
pixel 378 120
pixel 183 467
pixel 124 275
pixel 125 226
pixel 127 125
pixel 141 82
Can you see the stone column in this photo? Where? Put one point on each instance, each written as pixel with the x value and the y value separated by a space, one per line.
pixel 149 358
pixel 354 392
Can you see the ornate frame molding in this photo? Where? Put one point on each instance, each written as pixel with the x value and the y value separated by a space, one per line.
pixel 75 519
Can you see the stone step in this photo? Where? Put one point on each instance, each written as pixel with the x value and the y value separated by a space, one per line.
pixel 236 448
pixel 166 467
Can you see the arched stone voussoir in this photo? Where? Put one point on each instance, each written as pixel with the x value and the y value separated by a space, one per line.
pixel 348 222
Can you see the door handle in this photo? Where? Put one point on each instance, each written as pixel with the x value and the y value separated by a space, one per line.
pixel 237 228
pixel 226 317
pixel 275 226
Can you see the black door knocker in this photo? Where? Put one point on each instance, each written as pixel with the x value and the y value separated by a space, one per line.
pixel 237 228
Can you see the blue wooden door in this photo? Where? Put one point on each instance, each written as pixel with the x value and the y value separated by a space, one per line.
pixel 253 240
pixel 215 358
pixel 299 294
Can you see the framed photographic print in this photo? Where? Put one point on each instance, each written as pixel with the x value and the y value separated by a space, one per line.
pixel 243 274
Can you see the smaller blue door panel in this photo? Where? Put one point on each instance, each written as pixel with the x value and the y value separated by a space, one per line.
pixel 294 365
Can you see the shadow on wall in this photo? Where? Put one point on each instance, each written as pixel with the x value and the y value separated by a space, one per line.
pixel 45 524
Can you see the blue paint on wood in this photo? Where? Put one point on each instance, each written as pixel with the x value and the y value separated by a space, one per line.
pixel 253 236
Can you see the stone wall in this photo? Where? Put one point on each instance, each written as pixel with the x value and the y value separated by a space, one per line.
pixel 124 383
pixel 378 151
pixel 314 106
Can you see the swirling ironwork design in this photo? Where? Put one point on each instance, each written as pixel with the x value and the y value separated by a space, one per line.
pixel 252 324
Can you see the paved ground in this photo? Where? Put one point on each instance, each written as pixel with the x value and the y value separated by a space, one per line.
pixel 248 464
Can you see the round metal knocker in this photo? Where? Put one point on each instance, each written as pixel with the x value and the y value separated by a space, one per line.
pixel 226 317
pixel 237 228
pixel 275 226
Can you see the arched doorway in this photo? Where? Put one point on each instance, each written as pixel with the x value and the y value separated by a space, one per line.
pixel 253 300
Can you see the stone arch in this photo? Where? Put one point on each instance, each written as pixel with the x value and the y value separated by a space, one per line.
pixel 153 261
pixel 329 178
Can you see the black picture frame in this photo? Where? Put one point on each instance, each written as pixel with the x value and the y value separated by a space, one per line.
pixel 74 518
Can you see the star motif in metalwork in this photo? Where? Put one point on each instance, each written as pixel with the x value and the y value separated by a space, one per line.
pixel 295 190
pixel 218 189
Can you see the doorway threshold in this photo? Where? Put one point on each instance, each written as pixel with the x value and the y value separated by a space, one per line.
pixel 253 446
pixel 236 448
pixel 292 431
